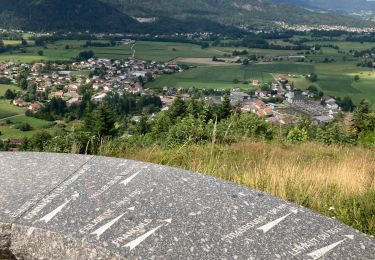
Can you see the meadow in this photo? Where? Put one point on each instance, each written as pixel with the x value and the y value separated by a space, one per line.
pixel 4 87
pixel 8 127
pixel 8 110
pixel 223 77
pixel 335 181
pixel 160 51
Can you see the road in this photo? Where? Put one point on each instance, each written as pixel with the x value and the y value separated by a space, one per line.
pixel 10 117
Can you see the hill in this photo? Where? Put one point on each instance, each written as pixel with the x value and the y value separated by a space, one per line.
pixel 47 15
pixel 161 16
pixel 253 13
pixel 343 6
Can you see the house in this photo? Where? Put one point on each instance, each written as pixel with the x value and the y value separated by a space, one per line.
pixel 72 101
pixel 19 102
pixel 262 94
pixel 328 99
pixel 257 105
pixel 267 112
pixel 34 107
pixel 99 97
pixel 321 120
pixel 137 88
pixel 255 83
pixel 239 97
pixel 59 94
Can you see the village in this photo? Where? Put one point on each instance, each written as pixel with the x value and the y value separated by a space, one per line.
pixel 278 102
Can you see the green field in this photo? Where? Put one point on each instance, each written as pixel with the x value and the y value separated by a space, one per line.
pixel 10 131
pixel 3 88
pixel 8 110
pixel 336 78
pixel 160 51
pixel 222 77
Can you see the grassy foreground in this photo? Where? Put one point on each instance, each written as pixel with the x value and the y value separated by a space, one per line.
pixel 335 181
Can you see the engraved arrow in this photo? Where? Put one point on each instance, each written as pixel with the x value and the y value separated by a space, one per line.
pixel 107 226
pixel 324 250
pixel 133 244
pixel 267 227
pixel 126 181
pixel 47 218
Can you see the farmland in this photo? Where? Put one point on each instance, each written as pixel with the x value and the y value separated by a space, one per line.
pixel 224 77
pixel 9 128
pixel 335 78
pixel 8 110
pixel 160 51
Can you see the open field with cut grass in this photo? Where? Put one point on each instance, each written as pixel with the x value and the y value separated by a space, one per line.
pixel 8 110
pixel 4 88
pixel 223 77
pixel 10 130
pixel 160 51
pixel 335 181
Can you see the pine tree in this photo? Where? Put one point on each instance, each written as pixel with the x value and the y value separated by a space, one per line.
pixel 178 108
pixel 225 109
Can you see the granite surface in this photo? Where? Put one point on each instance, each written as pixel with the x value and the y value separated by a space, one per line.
pixel 59 206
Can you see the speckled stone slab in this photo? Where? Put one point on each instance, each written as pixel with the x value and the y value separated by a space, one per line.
pixel 81 207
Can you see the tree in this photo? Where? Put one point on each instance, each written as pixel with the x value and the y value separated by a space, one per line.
pixel 101 121
pixel 356 78
pixel 23 83
pixel 40 53
pixel 225 109
pixel 9 94
pixel 24 127
pixel 312 77
pixel 149 77
pixel 85 55
pixel 178 108
pixel 364 120
pixel 143 127
pixel 346 104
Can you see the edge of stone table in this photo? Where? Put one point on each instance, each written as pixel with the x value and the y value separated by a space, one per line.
pixel 64 206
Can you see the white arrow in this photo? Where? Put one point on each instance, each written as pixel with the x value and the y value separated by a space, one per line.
pixel 324 250
pixel 126 181
pixel 105 227
pixel 47 218
pixel 267 227
pixel 133 244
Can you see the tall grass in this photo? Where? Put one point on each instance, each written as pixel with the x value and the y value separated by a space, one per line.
pixel 335 181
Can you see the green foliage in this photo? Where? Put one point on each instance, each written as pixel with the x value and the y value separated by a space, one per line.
pixel 367 139
pixel 297 135
pixel 24 127
pixel 10 94
pixel 101 122
pixel 335 133
pixel 85 55
pixel 364 120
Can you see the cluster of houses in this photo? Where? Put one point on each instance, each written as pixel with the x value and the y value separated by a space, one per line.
pixel 281 104
pixel 105 75
pixel 278 102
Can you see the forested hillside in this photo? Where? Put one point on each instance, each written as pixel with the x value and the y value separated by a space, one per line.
pixel 168 16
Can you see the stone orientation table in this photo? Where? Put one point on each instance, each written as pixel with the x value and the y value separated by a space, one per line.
pixel 61 206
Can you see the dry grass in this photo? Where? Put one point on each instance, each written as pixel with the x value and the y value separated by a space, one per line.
pixel 313 175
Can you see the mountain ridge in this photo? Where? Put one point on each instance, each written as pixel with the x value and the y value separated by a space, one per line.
pixel 170 16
